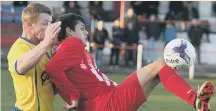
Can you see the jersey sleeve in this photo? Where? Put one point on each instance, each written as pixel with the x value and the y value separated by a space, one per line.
pixel 68 55
pixel 14 53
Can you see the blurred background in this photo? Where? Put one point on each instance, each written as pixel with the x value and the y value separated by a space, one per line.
pixel 116 28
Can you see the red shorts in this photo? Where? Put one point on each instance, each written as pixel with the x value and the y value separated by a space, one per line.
pixel 127 96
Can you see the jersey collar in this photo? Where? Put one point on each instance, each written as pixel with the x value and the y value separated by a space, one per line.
pixel 29 41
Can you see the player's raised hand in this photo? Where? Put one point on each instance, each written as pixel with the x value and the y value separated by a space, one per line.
pixel 73 106
pixel 51 33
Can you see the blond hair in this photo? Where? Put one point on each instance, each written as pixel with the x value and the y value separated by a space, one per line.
pixel 32 11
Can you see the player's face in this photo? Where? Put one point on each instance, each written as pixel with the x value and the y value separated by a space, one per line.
pixel 40 25
pixel 81 32
pixel 116 23
pixel 100 25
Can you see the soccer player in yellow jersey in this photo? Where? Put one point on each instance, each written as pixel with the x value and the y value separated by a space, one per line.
pixel 29 55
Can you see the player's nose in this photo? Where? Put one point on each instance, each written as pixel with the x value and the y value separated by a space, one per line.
pixel 86 32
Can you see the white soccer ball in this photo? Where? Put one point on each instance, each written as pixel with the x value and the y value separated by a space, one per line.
pixel 179 54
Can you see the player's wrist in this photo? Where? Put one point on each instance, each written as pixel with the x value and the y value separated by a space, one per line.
pixel 44 46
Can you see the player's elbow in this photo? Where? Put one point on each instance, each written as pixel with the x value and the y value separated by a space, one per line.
pixel 20 68
pixel 20 71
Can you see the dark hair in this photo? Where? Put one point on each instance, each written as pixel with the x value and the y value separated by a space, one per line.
pixel 68 20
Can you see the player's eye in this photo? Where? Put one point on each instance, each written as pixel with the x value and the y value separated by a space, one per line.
pixel 82 28
pixel 46 23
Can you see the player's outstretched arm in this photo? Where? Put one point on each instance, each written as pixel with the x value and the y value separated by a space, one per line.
pixel 27 61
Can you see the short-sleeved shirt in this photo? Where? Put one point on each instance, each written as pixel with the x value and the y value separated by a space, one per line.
pixel 34 89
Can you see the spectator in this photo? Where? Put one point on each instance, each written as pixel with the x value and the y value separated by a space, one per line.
pixel 96 9
pixel 169 33
pixel 177 10
pixel 176 6
pixel 139 7
pixel 192 11
pixel 153 31
pixel 130 40
pixel 143 21
pixel 130 14
pixel 195 33
pixel 145 7
pixel 133 19
pixel 206 29
pixel 131 36
pixel 116 41
pixel 98 41
pixel 71 7
pixel 170 16
pixel 153 8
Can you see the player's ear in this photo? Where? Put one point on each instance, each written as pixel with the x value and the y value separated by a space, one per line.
pixel 28 26
pixel 69 31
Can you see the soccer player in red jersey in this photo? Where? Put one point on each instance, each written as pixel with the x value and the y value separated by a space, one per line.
pixel 81 85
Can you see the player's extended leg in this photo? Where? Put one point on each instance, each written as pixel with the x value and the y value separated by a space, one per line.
pixel 175 84
pixel 178 86
pixel 130 94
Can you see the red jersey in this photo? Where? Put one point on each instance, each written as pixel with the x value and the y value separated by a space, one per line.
pixel 75 74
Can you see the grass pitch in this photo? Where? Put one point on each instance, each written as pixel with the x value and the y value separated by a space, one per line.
pixel 160 99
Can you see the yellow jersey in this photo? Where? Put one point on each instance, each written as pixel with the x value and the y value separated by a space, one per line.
pixel 34 91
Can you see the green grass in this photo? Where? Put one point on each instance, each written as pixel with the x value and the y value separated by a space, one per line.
pixel 160 99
